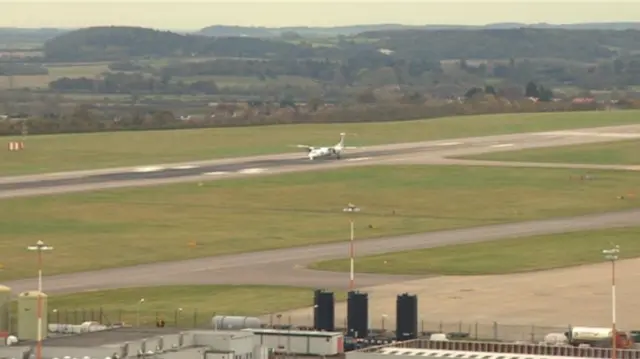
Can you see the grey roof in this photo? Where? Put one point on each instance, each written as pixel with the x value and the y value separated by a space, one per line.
pixel 99 338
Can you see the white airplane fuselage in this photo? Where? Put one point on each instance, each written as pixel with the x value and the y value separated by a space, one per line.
pixel 324 152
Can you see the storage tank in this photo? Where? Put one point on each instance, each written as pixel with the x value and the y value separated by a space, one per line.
pixel 5 309
pixel 28 315
pixel 235 323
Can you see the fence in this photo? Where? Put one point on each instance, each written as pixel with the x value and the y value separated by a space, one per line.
pixel 197 319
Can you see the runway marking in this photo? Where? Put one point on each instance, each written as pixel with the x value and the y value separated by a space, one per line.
pixel 449 144
pixel 184 167
pixel 503 145
pixel 595 134
pixel 148 169
pixel 252 170
pixel 359 159
pixel 217 173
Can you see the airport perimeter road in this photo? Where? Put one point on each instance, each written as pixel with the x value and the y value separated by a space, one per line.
pixel 286 266
pixel 420 152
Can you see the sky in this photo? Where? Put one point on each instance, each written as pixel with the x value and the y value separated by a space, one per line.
pixel 195 14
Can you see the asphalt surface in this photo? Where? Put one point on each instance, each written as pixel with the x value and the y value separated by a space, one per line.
pixel 286 266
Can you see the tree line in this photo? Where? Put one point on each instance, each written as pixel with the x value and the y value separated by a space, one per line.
pixel 345 72
pixel 87 119
pixel 117 43
pixel 121 42
pixel 127 83
pixel 579 45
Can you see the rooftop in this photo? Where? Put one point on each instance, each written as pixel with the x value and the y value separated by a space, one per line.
pixel 106 337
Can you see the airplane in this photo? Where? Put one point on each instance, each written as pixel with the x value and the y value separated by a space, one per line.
pixel 315 152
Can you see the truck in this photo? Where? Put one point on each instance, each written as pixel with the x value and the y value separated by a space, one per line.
pixel 599 337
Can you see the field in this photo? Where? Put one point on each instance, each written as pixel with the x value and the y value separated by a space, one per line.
pixel 95 69
pixel 89 70
pixel 505 256
pixel 192 306
pixel 89 151
pixel 114 228
pixel 609 153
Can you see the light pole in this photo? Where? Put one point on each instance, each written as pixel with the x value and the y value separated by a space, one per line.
pixel 39 247
pixel 279 316
pixel 612 256
pixel 351 208
pixel 138 312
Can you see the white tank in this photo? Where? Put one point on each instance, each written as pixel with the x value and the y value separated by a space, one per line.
pixel 235 323
pixel 590 333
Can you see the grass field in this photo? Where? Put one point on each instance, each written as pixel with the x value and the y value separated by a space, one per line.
pixel 610 153
pixel 186 305
pixel 501 256
pixel 114 228
pixel 90 70
pixel 89 151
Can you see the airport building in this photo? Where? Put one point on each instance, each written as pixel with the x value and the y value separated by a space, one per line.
pixel 168 343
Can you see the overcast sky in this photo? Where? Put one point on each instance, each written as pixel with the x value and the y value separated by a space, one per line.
pixel 196 14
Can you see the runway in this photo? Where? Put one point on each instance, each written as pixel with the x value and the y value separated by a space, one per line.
pixel 286 266
pixel 434 152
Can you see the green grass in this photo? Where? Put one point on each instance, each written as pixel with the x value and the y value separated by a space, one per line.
pixel 114 228
pixel 501 256
pixel 609 153
pixel 89 151
pixel 198 303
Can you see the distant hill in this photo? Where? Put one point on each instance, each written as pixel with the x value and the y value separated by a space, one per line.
pixel 118 42
pixel 225 30
pixel 16 36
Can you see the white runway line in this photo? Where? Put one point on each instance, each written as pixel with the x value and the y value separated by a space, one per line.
pixel 359 159
pixel 503 145
pixel 215 173
pixel 252 170
pixel 596 134
pixel 449 144
pixel 148 169
pixel 184 167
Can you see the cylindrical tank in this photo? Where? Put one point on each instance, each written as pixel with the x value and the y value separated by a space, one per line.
pixel 235 323
pixel 5 309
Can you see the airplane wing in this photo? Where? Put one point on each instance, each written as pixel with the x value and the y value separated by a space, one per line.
pixel 350 148
pixel 308 148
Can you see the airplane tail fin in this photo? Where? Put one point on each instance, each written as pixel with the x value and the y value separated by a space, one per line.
pixel 341 143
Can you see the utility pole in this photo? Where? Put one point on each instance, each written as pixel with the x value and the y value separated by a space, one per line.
pixel 39 247
pixel 351 208
pixel 612 256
